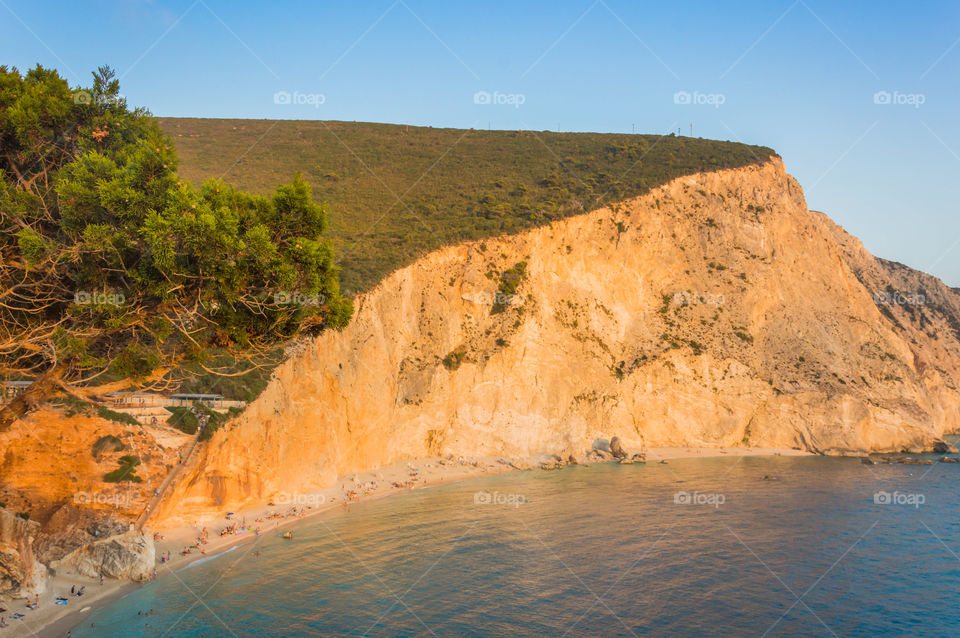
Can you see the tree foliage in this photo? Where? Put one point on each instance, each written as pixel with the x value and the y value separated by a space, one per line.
pixel 113 267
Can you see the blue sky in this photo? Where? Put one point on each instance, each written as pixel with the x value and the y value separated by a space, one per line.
pixel 800 76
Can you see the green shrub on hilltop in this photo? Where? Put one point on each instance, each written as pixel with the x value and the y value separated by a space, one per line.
pixel 112 415
pixel 183 419
pixel 186 419
pixel 453 184
pixel 73 406
pixel 214 421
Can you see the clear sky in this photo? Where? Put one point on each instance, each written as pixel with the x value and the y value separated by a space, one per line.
pixel 860 99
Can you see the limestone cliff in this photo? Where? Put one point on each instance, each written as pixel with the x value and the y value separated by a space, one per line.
pixel 49 460
pixel 715 310
pixel 21 574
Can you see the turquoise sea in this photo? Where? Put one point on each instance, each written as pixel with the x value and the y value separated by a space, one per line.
pixel 774 546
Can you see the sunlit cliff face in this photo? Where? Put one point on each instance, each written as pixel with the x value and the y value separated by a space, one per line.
pixel 716 310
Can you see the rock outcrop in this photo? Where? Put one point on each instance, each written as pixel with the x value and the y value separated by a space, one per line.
pixel 71 527
pixel 127 556
pixel 714 311
pixel 616 448
pixel 21 574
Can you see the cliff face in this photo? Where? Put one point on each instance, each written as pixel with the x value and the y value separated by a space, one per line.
pixel 21 574
pixel 716 310
pixel 48 461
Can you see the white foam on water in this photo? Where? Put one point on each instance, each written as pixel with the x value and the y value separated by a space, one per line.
pixel 209 558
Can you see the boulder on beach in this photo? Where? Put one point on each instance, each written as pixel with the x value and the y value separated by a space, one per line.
pixel 942 447
pixel 616 448
pixel 127 556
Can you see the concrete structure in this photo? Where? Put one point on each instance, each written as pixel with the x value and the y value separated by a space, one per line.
pixel 212 400
pixel 11 389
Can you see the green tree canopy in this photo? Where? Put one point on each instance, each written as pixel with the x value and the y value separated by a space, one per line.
pixel 113 268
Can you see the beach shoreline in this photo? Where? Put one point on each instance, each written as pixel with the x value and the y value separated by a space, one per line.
pixel 51 622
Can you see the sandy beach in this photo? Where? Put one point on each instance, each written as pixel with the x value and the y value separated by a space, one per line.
pixel 50 620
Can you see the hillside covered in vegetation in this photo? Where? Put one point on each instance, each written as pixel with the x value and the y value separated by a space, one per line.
pixel 394 192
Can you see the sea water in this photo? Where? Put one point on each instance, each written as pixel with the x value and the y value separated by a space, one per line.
pixel 761 546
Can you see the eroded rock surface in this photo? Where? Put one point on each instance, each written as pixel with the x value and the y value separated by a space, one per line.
pixel 714 311
pixel 127 556
pixel 21 573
